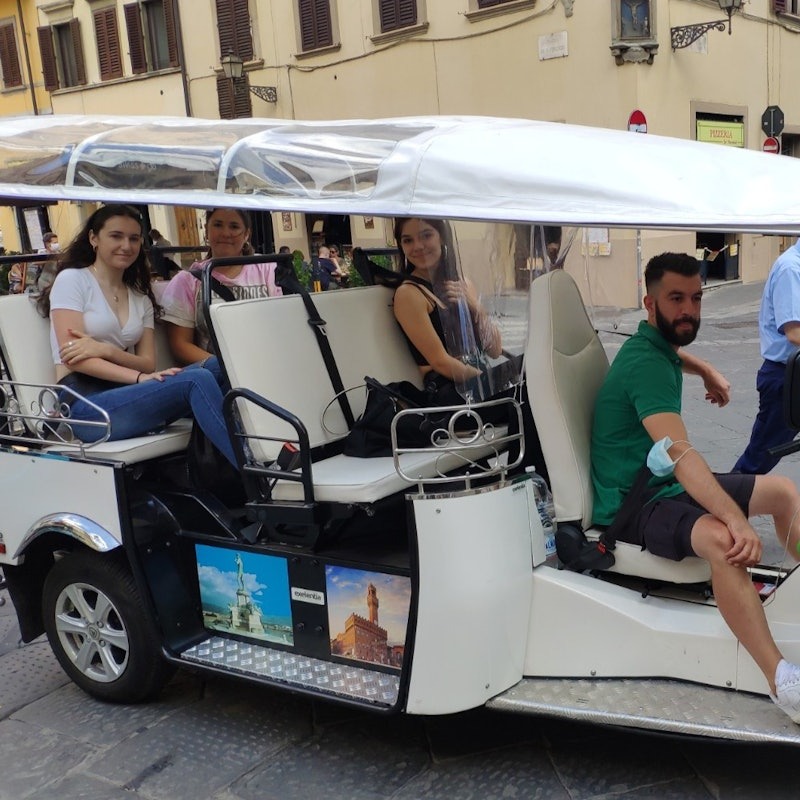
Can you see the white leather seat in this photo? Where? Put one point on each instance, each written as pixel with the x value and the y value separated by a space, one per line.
pixel 268 346
pixel 566 365
pixel 25 337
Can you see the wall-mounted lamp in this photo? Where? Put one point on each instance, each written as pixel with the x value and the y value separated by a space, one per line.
pixel 684 35
pixel 233 68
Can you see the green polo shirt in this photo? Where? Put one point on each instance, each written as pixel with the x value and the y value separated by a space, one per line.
pixel 644 379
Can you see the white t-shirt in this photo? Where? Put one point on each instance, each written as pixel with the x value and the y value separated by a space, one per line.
pixel 78 290
pixel 183 303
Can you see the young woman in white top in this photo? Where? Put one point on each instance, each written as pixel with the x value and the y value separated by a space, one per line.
pixel 101 310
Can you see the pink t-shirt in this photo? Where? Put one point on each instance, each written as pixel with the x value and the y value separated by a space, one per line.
pixel 183 303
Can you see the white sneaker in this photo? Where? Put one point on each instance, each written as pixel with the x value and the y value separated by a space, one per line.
pixel 787 689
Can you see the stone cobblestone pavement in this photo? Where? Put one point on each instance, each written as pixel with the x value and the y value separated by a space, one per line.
pixel 224 740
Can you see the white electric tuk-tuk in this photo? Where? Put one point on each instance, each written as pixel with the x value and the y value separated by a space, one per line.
pixel 422 581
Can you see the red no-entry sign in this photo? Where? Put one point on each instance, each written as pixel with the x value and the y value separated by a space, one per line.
pixel 637 122
pixel 771 145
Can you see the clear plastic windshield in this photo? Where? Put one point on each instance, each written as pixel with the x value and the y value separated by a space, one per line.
pixel 466 267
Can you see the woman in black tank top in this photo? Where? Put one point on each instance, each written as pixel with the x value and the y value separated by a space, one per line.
pixel 426 304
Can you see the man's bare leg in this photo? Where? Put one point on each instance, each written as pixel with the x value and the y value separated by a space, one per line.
pixel 778 496
pixel 736 597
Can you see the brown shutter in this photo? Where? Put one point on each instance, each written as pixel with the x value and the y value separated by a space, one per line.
pixel 316 29
pixel 133 23
pixel 171 20
pixel 107 35
pixel 233 24
pixel 779 6
pixel 234 98
pixel 77 46
pixel 407 12
pixel 397 14
pixel 49 69
pixel 9 57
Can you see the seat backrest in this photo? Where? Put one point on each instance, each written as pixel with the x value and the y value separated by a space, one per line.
pixel 268 346
pixel 565 367
pixel 25 339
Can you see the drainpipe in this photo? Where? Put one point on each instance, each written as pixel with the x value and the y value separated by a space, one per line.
pixel 187 102
pixel 27 57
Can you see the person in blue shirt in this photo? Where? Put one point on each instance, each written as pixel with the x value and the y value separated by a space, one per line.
pixel 779 331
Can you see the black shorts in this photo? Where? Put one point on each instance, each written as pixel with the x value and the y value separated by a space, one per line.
pixel 664 526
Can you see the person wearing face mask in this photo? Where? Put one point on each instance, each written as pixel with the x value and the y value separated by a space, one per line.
pixel 685 509
pixel 228 232
pixel 47 270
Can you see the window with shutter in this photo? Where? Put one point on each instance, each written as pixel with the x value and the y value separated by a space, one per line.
pixel 233 97
pixel 316 29
pixel 107 36
pixel 779 6
pixel 9 57
pixel 152 35
pixel 396 14
pixel 233 24
pixel 171 25
pixel 78 61
pixel 133 24
pixel 48 53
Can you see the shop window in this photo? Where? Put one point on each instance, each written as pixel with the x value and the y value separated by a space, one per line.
pixel 106 34
pixel 61 47
pixel 152 35
pixel 9 56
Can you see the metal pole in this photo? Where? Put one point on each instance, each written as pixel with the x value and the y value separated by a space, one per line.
pixel 639 275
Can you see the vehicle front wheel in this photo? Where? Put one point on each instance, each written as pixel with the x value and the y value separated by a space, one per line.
pixel 99 630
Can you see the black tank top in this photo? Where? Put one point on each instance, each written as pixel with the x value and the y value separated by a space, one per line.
pixel 436 321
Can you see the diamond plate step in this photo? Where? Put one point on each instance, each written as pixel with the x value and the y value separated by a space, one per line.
pixel 660 705
pixel 279 666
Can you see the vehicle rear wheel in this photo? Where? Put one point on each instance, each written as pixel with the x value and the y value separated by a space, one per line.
pixel 99 630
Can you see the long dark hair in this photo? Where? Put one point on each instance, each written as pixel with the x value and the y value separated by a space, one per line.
pixel 80 254
pixel 448 260
pixel 247 249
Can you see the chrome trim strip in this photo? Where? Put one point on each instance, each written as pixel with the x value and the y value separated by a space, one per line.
pixel 80 528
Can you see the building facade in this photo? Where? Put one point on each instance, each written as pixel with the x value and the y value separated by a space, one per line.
pixel 608 63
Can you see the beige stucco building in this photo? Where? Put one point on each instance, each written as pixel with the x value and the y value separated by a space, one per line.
pixel 591 62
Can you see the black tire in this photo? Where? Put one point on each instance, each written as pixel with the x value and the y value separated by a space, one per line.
pixel 99 631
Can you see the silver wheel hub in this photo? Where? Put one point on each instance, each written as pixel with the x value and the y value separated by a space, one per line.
pixel 92 632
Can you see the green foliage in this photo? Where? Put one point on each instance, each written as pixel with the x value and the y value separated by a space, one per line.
pixel 353 277
pixel 301 268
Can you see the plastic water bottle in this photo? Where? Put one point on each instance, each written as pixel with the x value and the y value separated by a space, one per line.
pixel 547 511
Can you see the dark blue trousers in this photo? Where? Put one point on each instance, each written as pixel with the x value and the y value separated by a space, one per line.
pixel 769 428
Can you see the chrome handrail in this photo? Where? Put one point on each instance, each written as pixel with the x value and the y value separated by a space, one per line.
pixel 48 421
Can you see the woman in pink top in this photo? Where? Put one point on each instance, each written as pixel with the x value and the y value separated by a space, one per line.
pixel 228 233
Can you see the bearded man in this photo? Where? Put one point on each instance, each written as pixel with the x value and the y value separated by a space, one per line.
pixel 686 510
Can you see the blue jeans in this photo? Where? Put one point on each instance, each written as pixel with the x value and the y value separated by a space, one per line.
pixel 769 428
pixel 142 408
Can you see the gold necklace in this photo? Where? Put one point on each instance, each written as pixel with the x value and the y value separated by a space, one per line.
pixel 104 288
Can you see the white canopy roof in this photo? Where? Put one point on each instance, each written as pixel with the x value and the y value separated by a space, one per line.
pixel 512 170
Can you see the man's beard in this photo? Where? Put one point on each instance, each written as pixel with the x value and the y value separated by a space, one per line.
pixel 669 329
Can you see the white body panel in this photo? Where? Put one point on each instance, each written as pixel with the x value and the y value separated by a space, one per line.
pixel 34 487
pixel 582 626
pixel 474 596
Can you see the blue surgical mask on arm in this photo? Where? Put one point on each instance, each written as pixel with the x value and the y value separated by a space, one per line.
pixel 659 461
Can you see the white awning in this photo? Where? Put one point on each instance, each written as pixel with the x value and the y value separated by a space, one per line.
pixel 511 170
